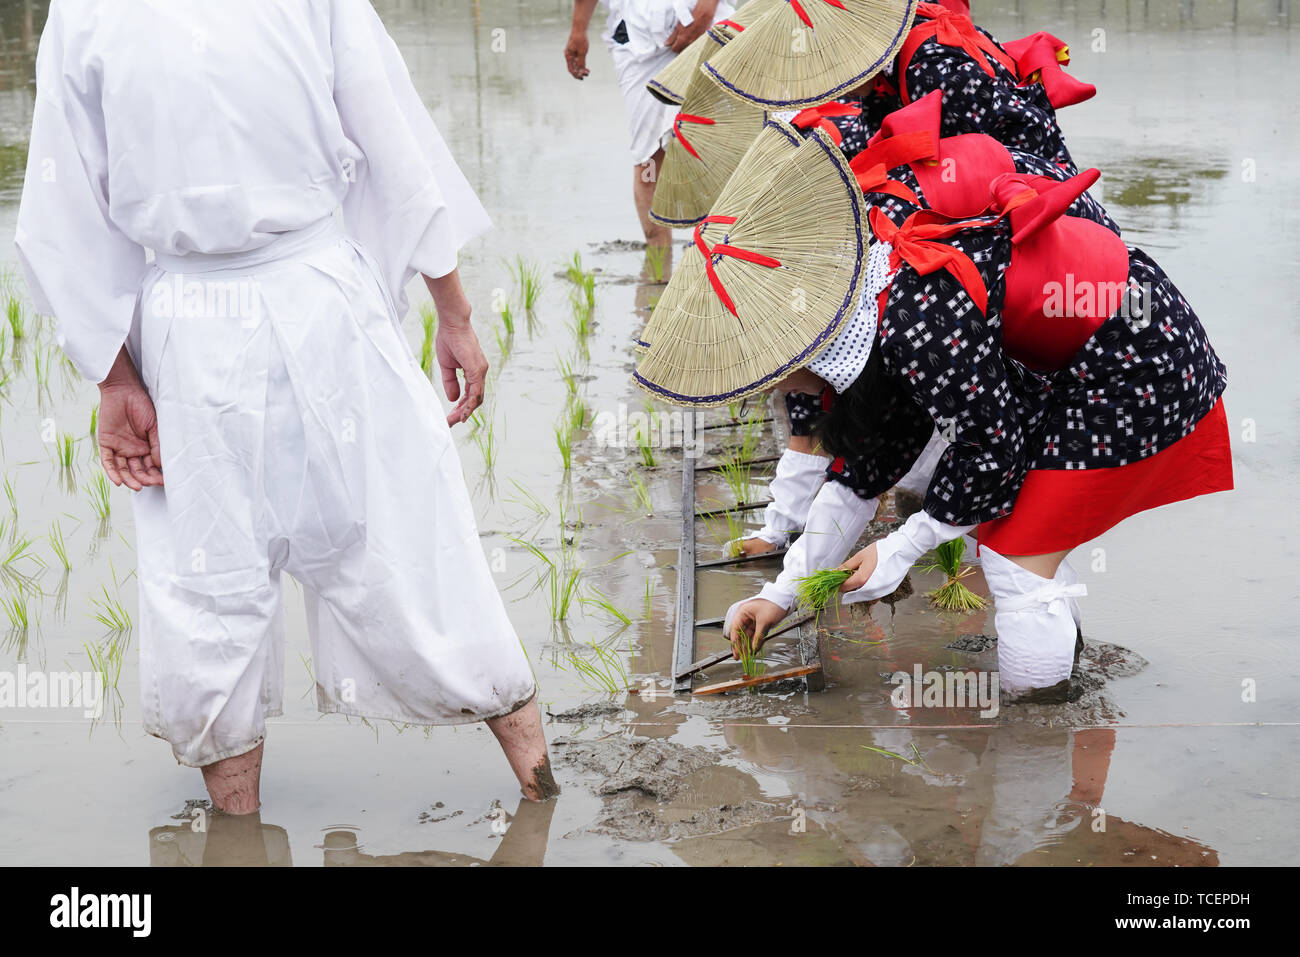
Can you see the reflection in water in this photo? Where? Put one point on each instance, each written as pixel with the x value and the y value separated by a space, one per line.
pixel 229 840
pixel 1138 181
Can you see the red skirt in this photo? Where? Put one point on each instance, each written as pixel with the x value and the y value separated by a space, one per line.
pixel 1059 509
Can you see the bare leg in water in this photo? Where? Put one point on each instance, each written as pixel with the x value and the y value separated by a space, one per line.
pixel 232 783
pixel 644 179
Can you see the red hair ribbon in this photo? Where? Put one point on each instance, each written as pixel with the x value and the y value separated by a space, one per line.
pixel 915 243
pixel 1039 59
pixel 803 15
pixel 677 129
pixel 951 30
pixel 871 167
pixel 724 249
pixel 818 116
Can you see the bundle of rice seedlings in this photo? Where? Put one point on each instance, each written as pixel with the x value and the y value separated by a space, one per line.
pixel 750 663
pixel 814 592
pixel 953 595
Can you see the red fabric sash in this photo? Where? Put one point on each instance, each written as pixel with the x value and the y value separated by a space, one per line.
pixel 681 137
pixel 725 249
pixel 817 116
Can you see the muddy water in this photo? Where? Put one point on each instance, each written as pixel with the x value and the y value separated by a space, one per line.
pixel 1198 167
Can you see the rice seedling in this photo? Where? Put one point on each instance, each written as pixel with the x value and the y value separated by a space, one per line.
pixel 564 442
pixel 814 592
pixel 94 426
pixel 66 446
pixel 750 663
pixel 574 271
pixel 642 493
pixel 99 497
pixel 655 259
pixel 507 317
pixel 736 473
pixel 567 375
pixel 643 446
pixel 59 546
pixel 577 410
pixel 953 595
pixel 649 596
pixel 504 343
pixel 727 530
pixel 429 327
pixel 110 613
pixel 17 611
pixel 485 438
pixel 604 671
pixel 602 602
pixel 582 315
pixel 561 580
pixel 529 278
pixel 17 319
pixel 106 660
pixel 733 411
pixel 531 501
pixel 11 496
pixel 19 549
pixel 588 286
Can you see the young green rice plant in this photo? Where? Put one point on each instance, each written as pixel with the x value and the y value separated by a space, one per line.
pixel 953 595
pixel 603 671
pixel 727 529
pixel 17 319
pixel 110 613
pixel 94 427
pixel 588 287
pixel 485 438
pixel 642 492
pixel 736 473
pixel 564 442
pixel 643 446
pixel 529 500
pixel 66 449
pixel 649 596
pixel 504 343
pixel 429 328
pixel 529 279
pixel 17 611
pixel 655 259
pixel 582 316
pixel 814 592
pixel 574 271
pixel 750 663
pixel 917 761
pixel 507 317
pixel 20 548
pixel 59 546
pixel 601 602
pixel 560 580
pixel 100 502
pixel 577 412
pixel 569 377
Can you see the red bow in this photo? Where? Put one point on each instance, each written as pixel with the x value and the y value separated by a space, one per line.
pixel 681 138
pixel 724 249
pixel 802 14
pixel 955 30
pixel 1039 59
pixel 914 243
pixel 818 116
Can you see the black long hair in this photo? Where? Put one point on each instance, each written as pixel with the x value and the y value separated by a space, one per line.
pixel 858 411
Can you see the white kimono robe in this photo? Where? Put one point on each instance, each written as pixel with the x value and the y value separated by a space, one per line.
pixel 297 431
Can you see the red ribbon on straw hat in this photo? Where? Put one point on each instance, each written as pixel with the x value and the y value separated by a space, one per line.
pixel 726 249
pixel 681 137
pixel 818 116
pixel 802 14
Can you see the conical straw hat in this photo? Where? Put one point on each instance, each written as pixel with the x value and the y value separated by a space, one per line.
pixel 724 30
pixel 671 83
pixel 787 254
pixel 805 52
pixel 711 134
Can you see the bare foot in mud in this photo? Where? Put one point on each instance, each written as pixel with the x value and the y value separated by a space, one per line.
pixel 521 738
pixel 233 783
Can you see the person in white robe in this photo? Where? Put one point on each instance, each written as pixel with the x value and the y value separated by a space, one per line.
pixel 643 36
pixel 257 393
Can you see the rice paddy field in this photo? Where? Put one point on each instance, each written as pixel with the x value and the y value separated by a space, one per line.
pixel 1185 741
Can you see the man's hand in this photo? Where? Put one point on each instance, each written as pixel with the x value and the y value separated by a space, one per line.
pixel 575 55
pixel 863 565
pixel 751 623
pixel 457 347
pixel 684 36
pixel 128 428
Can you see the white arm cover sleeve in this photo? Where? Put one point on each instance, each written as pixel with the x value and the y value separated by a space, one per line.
pixel 835 521
pixel 898 551
pixel 799 476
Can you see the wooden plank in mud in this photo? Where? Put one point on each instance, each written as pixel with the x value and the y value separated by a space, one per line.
pixel 684 638
pixel 812 652
pixel 767 678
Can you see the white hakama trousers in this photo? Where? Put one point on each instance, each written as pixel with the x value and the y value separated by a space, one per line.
pixel 1037 621
pixel 649 120
pixel 299 436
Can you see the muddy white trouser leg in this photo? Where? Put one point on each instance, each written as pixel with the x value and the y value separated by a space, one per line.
pixel 1035 626
pixel 798 478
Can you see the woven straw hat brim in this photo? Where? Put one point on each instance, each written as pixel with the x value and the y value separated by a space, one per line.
pixel 779 63
pixel 744 15
pixel 672 83
pixel 798 204
pixel 701 156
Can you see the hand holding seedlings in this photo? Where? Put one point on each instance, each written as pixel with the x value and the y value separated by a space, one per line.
pixel 814 591
pixel 128 428
pixel 862 565
pixel 755 617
